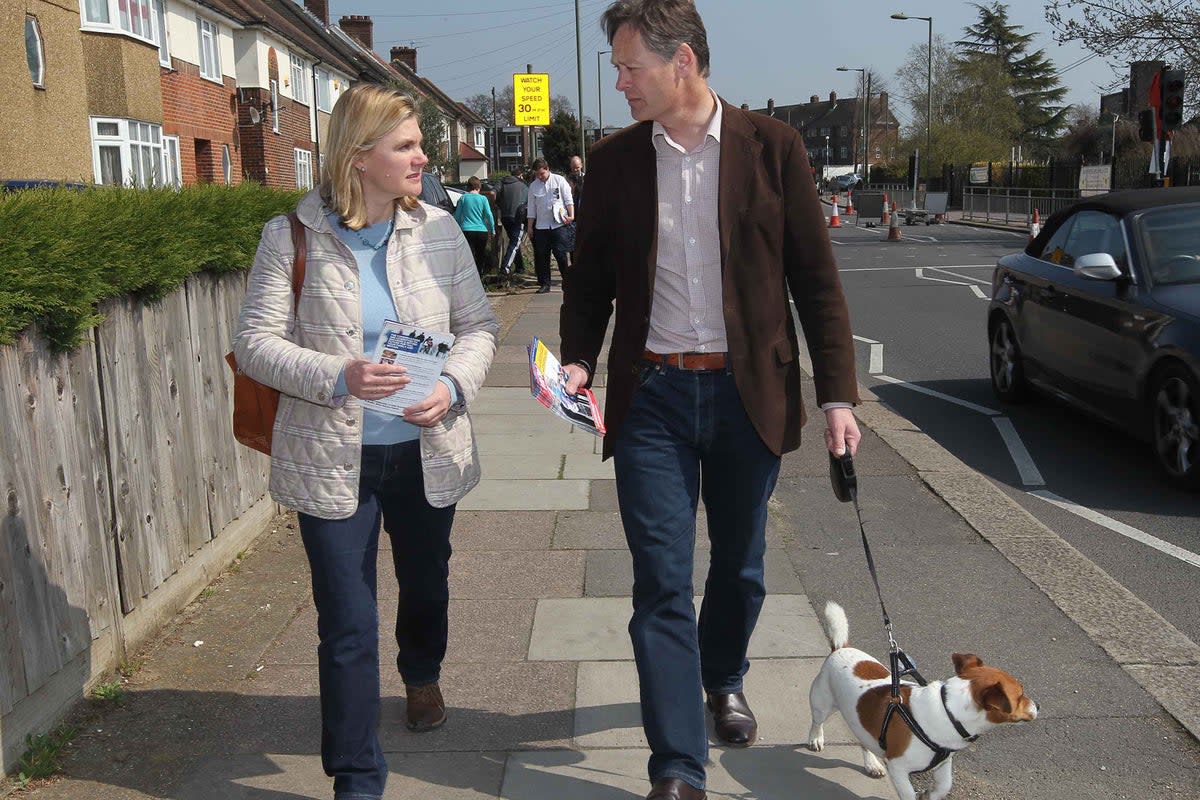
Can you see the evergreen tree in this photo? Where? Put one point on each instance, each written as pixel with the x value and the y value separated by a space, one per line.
pixel 1034 84
pixel 560 140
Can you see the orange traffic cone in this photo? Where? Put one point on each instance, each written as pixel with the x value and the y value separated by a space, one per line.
pixel 894 227
pixel 1035 226
pixel 886 216
pixel 834 220
pixel 850 203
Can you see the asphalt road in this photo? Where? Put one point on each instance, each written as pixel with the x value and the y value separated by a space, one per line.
pixel 919 314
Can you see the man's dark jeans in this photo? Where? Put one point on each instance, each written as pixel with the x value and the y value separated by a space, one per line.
pixel 513 260
pixel 687 435
pixel 342 555
pixel 545 241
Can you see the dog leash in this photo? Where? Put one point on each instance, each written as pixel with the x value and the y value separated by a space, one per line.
pixel 845 488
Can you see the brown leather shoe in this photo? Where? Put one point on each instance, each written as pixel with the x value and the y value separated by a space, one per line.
pixel 733 721
pixel 426 708
pixel 674 789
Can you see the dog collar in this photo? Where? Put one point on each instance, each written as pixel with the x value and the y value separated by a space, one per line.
pixel 958 726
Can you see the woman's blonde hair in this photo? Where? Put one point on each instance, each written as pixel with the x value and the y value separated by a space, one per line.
pixel 361 117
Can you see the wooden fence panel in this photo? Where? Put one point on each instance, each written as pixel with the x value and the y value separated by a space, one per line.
pixel 56 568
pixel 151 403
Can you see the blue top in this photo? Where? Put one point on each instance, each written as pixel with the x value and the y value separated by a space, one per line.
pixel 474 213
pixel 377 306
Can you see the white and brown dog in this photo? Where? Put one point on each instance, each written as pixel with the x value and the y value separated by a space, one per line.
pixel 949 714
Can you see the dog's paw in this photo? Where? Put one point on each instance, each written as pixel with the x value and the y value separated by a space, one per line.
pixel 817 743
pixel 873 766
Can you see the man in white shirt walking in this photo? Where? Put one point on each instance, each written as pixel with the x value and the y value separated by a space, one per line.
pixel 551 209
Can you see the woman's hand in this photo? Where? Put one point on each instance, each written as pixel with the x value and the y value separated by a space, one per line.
pixel 432 409
pixel 368 381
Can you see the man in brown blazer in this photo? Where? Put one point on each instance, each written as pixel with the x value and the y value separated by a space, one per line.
pixel 701 219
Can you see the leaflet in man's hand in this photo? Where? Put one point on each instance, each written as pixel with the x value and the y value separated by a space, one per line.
pixel 548 383
pixel 419 351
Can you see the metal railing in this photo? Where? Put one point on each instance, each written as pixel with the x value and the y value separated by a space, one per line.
pixel 1013 206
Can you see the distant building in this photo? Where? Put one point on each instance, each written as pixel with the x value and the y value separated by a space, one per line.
pixel 832 129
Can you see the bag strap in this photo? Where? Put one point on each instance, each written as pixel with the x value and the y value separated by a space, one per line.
pixel 299 261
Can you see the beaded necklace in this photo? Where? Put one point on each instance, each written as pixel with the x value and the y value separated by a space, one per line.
pixel 376 245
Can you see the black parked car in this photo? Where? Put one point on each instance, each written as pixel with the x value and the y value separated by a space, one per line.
pixel 434 193
pixel 1102 310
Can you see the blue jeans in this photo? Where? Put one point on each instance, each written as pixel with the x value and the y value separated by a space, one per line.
pixel 342 554
pixel 545 242
pixel 687 435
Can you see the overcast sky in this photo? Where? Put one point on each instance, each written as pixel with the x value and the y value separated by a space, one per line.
pixel 782 49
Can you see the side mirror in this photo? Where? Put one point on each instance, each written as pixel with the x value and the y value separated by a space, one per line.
pixel 1098 267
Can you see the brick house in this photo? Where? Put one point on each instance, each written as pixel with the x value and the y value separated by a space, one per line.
pixel 832 129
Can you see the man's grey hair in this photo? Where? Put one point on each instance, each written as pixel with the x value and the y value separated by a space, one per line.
pixel 664 26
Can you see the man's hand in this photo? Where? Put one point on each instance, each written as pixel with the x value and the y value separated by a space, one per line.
pixel 432 409
pixel 576 377
pixel 368 381
pixel 842 432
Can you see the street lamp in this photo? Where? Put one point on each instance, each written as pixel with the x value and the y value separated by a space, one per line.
pixel 600 94
pixel 866 119
pixel 826 175
pixel 928 91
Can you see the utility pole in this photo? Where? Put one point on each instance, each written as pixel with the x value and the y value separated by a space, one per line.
pixel 495 135
pixel 579 80
pixel 526 139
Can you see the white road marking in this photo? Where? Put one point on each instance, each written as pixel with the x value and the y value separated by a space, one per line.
pixel 889 269
pixel 986 281
pixel 1128 531
pixel 1030 475
pixel 948 398
pixel 978 292
pixel 876 365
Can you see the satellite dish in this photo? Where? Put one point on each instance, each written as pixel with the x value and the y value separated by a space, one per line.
pixel 255 116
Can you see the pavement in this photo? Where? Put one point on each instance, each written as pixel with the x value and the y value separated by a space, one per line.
pixel 539 677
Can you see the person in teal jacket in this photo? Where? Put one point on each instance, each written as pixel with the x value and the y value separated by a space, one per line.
pixel 474 215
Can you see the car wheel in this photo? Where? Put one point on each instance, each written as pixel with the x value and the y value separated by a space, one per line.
pixel 1175 425
pixel 1008 375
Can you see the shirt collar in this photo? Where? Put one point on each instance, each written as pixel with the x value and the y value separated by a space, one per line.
pixel 714 127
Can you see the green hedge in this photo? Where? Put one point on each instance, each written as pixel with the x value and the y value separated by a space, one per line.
pixel 62 252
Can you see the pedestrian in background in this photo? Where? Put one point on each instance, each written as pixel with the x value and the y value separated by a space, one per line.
pixel 575 179
pixel 474 215
pixel 343 468
pixel 512 197
pixel 704 382
pixel 551 207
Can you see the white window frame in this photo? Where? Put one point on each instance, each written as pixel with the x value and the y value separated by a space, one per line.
pixel 39 80
pixel 172 169
pixel 226 165
pixel 274 105
pixel 138 19
pixel 140 145
pixel 209 32
pixel 300 73
pixel 324 83
pixel 159 9
pixel 480 137
pixel 303 163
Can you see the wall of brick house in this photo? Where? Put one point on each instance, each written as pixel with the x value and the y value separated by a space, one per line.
pixel 204 115
pixel 268 157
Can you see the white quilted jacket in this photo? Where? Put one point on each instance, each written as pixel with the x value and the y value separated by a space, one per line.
pixel 317 439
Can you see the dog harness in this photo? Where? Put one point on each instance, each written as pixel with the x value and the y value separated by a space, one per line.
pixel 897 706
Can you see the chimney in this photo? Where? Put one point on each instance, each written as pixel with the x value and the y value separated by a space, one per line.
pixel 833 97
pixel 814 99
pixel 770 106
pixel 882 101
pixel 319 9
pixel 745 106
pixel 359 28
pixel 406 56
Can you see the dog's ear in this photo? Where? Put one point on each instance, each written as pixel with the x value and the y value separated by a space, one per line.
pixel 994 698
pixel 965 661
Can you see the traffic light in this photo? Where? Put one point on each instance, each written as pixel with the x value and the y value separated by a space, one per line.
pixel 1172 99
pixel 1146 130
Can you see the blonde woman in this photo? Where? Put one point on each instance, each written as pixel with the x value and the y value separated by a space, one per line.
pixel 374 253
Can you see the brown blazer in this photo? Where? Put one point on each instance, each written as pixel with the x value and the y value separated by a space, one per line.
pixel 773 240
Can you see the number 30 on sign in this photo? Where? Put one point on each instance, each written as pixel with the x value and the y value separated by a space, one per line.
pixel 531 98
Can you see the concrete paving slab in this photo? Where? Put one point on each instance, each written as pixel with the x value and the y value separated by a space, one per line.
pixel 504 400
pixel 762 773
pixel 609 573
pixel 504 494
pixel 588 530
pixel 587 467
pixel 596 629
pixel 508 375
pixel 534 418
pixel 514 574
pixel 502 530
pixel 288 776
pixel 603 496
pixel 531 466
pixel 534 441
pixel 607 711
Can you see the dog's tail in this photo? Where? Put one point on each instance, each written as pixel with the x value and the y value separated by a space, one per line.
pixel 836 626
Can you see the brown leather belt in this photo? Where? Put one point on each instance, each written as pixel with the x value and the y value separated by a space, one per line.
pixel 692 361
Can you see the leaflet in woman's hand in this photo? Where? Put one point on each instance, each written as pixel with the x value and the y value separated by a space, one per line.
pixel 421 352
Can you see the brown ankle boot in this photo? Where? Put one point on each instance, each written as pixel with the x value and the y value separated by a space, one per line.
pixel 426 708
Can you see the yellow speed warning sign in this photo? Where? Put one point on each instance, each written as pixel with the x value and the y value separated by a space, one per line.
pixel 531 98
